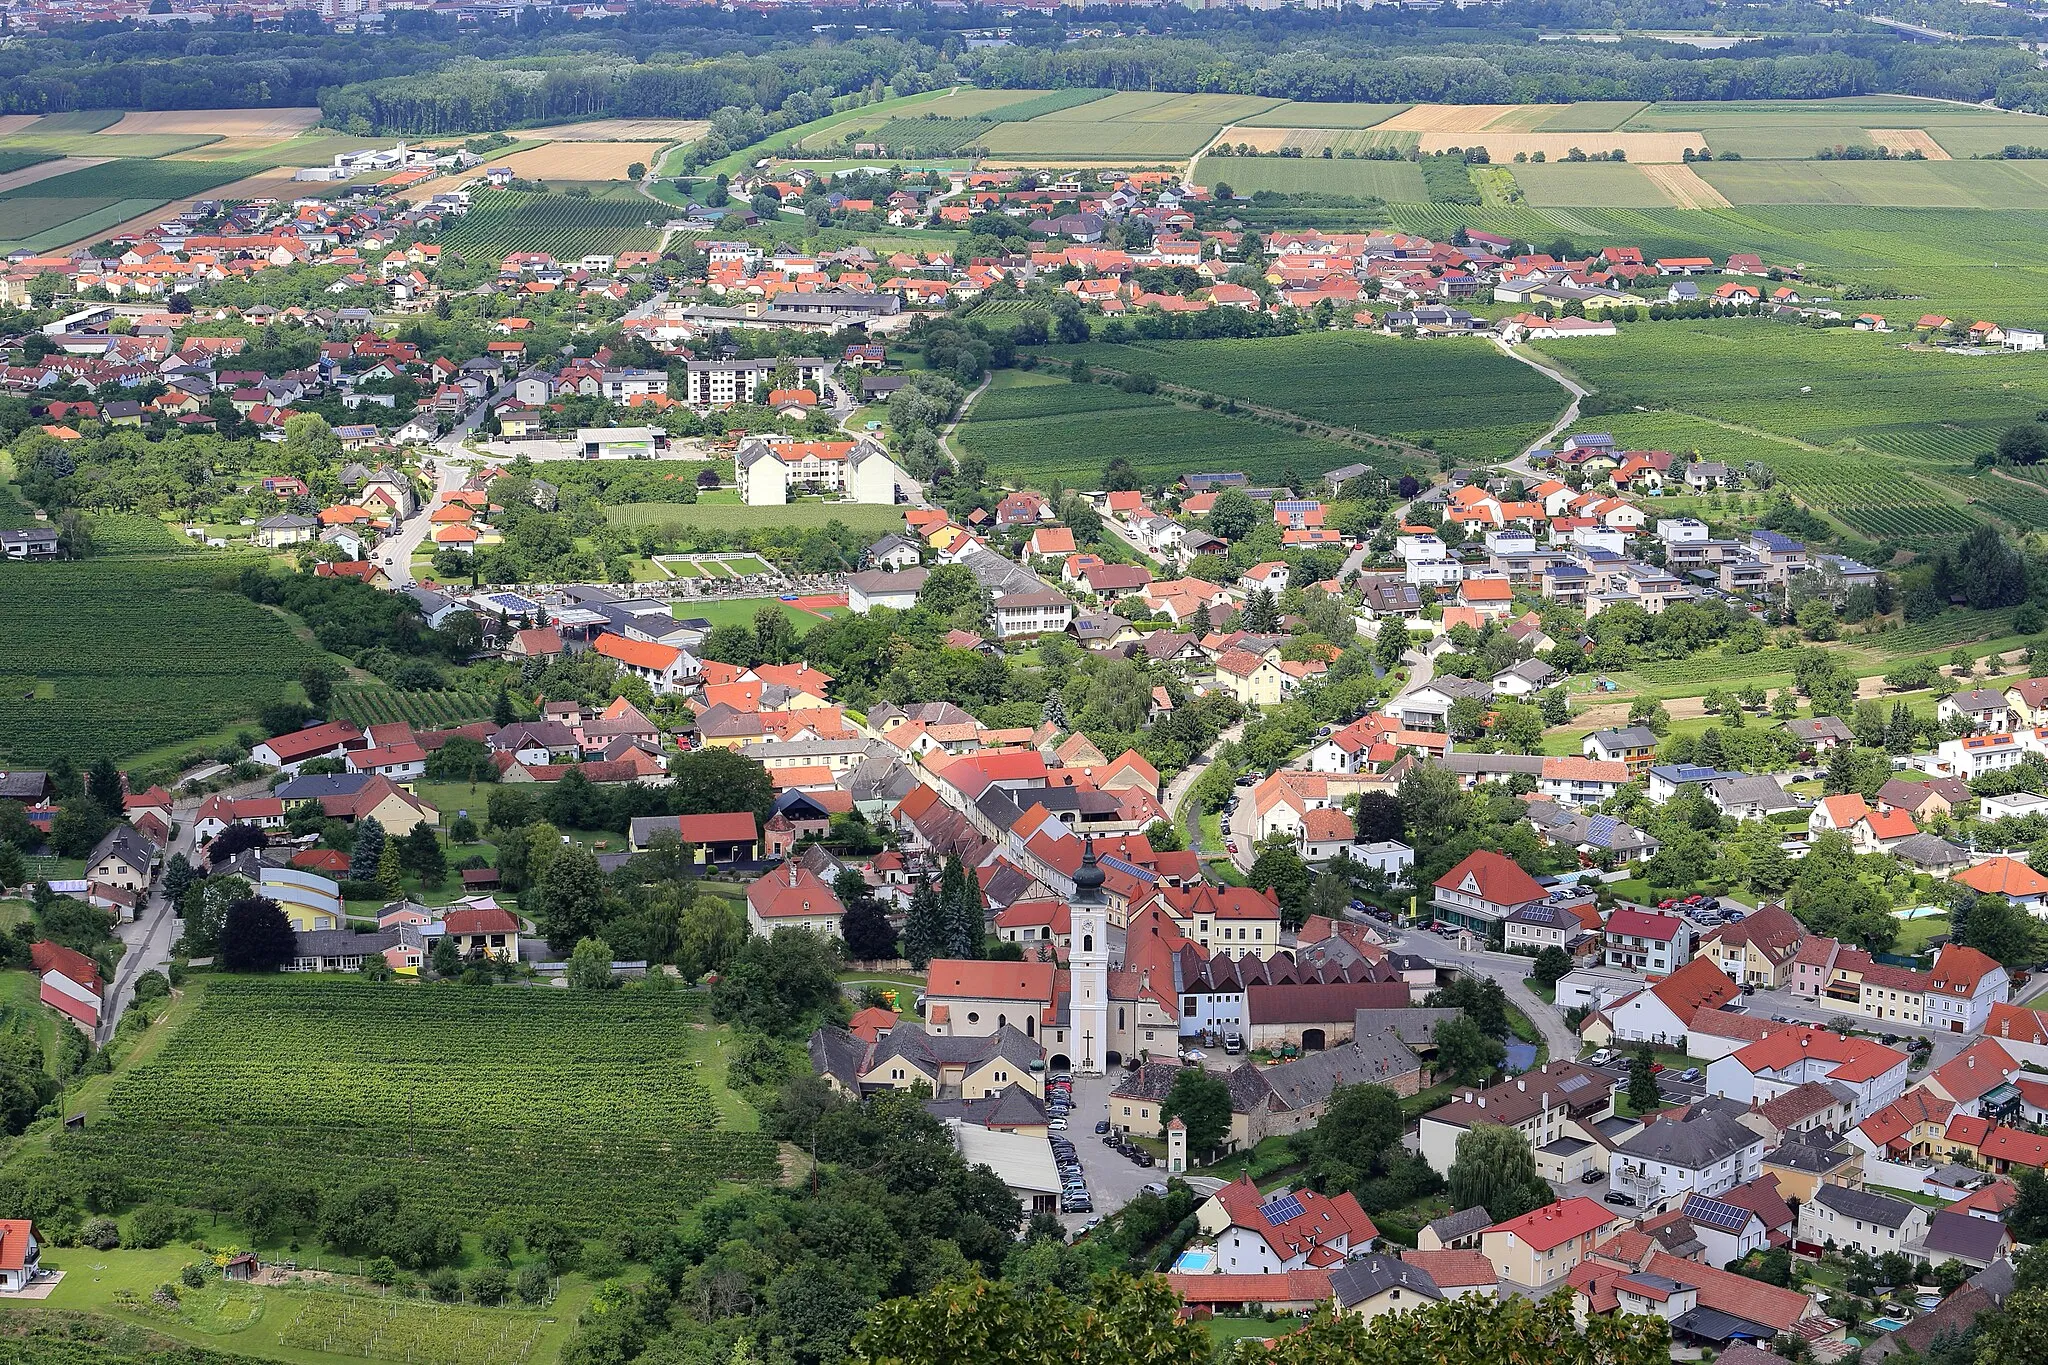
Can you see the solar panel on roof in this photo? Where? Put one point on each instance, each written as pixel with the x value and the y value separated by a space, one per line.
pixel 1573 1083
pixel 1702 1209
pixel 1130 869
pixel 1600 829
pixel 1285 1209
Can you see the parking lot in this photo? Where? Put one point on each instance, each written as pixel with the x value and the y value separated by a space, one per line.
pixel 1113 1180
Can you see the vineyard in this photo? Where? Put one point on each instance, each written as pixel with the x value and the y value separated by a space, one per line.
pixel 584 1106
pixel 502 222
pixel 116 656
pixel 1055 429
pixel 409 1330
pixel 1466 397
pixel 370 704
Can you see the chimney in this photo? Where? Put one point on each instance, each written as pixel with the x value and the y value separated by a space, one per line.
pixel 1546 1099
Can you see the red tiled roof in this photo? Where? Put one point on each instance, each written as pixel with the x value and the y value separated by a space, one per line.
pixel 637 653
pixel 1555 1224
pixel 2003 877
pixel 1698 985
pixel 1499 881
pixel 67 962
pixel 481 922
pixel 1021 981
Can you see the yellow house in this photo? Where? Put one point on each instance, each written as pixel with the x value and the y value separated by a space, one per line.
pixel 1545 1245
pixel 1136 1102
pixel 1757 951
pixel 1801 1169
pixel 1374 1285
pixel 1251 679
pixel 311 902
pixel 905 1056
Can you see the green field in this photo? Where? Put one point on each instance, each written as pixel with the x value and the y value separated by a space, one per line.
pixel 1596 183
pixel 501 222
pixel 1464 395
pixel 67 207
pixel 740 612
pixel 1905 184
pixel 1799 128
pixel 114 656
pixel 1127 124
pixel 1297 114
pixel 1312 175
pixel 865 518
pixel 1035 427
pixel 446 1092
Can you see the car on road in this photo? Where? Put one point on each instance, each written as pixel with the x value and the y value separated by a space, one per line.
pixel 1102 1125
pixel 1152 1187
pixel 1656 1068
pixel 1055 1123
pixel 1230 845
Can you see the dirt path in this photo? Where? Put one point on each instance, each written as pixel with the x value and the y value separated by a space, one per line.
pixel 1682 185
pixel 1571 411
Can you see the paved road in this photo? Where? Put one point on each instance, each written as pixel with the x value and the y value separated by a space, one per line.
pixel 1520 464
pixel 1113 1180
pixel 149 936
pixel 1505 968
pixel 395 552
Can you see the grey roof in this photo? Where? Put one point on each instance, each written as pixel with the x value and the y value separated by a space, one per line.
pixel 1151 1081
pixel 1530 670
pixel 1864 1206
pixel 1694 1142
pixel 1013 1108
pixel 1416 1025
pixel 343 942
pixel 1965 1237
pixel 883 582
pixel 1634 736
pixel 1375 1059
pixel 1367 1277
pixel 123 842
pixel 1979 699
pixel 316 787
pixel 24 784
pixel 1463 1223
pixel 1751 790
pixel 1807 1157
pixel 1929 851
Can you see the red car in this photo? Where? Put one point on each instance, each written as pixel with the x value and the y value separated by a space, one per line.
pixel 1656 1067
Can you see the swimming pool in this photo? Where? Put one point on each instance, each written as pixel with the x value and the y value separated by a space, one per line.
pixel 1195 1262
pixel 1886 1324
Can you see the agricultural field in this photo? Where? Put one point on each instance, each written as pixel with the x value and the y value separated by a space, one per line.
pixel 1041 429
pixel 1798 128
pixel 1904 184
pixel 67 208
pixel 1599 183
pixel 557 161
pixel 504 221
pixel 1388 180
pixel 1464 396
pixel 121 655
pixel 415 1332
pixel 1300 114
pixel 374 704
pixel 1120 127
pixel 628 1125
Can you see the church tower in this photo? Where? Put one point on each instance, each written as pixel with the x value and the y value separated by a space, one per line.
pixel 1088 1005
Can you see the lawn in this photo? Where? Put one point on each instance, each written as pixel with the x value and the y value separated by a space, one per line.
pixel 740 611
pixel 809 514
pixel 1914 933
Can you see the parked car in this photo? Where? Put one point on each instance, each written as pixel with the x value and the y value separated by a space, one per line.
pixel 1691 1073
pixel 1616 1197
pixel 1056 1123
pixel 1591 1178
pixel 1152 1187
pixel 1102 1125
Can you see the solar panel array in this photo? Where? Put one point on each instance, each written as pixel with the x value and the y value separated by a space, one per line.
pixel 1285 1209
pixel 1600 830
pixel 1571 1084
pixel 1143 874
pixel 1715 1213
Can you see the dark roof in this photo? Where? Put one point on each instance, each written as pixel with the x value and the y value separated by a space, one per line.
pixel 1151 1081
pixel 1463 1223
pixel 1307 1081
pixel 1366 1277
pixel 1695 1141
pixel 343 942
pixel 1864 1206
pixel 1320 1004
pixel 26 785
pixel 1965 1236
pixel 1015 1107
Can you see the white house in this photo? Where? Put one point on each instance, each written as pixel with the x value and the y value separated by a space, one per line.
pixel 1705 1152
pixel 1871 1223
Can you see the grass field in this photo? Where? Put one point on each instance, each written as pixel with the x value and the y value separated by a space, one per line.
pixel 119 655
pixel 740 612
pixel 865 518
pixel 253 1082
pixel 1464 396
pixel 1593 183
pixel 1905 184
pixel 1036 427
pixel 67 207
pixel 1125 125
pixel 1312 175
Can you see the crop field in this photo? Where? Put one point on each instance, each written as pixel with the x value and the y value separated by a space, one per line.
pixel 115 656
pixel 1904 184
pixel 625 130
pixel 1313 175
pixel 65 208
pixel 1602 183
pixel 1121 126
pixel 1037 428
pixel 582 161
pixel 367 704
pixel 1465 396
pixel 503 221
pixel 1799 128
pixel 409 1330
pixel 16 158
pixel 337 1081
pixel 1301 114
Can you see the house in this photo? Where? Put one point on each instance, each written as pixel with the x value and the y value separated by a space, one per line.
pixel 1635 746
pixel 1482 890
pixel 1955 1235
pixel 1661 1014
pixel 275 533
pixel 1543 1246
pixel 1646 941
pixel 292 751
pixel 1455 1231
pixel 1727 1230
pixel 722 837
pixel 1962 987
pixel 898 1055
pixel 1756 950
pixel 20 1255
pixel 1873 1224
pixel 1540 1104
pixel 2010 878
pixel 1372 1285
pixel 665 668
pixel 1261 1234
pixel 1789 1056
pixel 69 982
pixel 480 932
pixel 1981 709
pixel 122 859
pixel 1704 1150
pixel 792 896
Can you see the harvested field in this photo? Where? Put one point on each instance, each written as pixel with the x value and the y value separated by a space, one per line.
pixel 14 123
pixel 1451 118
pixel 1303 114
pixel 272 125
pixel 43 170
pixel 1910 140
pixel 1686 189
pixel 577 160
pixel 626 130
pixel 1638 147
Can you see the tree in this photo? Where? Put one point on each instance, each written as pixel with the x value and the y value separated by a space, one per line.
pixel 1464 1051
pixel 1379 818
pixel 924 927
pixel 569 897
pixel 779 984
pixel 445 958
pixel 2019 1331
pixel 1360 1125
pixel 255 936
pixel 1643 1095
pixel 421 855
pixel 2003 932
pixel 590 966
pixel 368 851
pixel 1279 871
pixel 1202 1102
pixel 390 871
pixel 462 759
pixel 1232 515
pixel 1495 1169
pixel 2028 1217
pixel 865 926
pixel 1553 964
pixel 1119 476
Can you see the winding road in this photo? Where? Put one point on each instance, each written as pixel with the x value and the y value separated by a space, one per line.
pixel 1520 464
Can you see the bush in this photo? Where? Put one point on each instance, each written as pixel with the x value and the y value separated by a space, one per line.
pixel 490 1285
pixel 383 1272
pixel 101 1234
pixel 532 1284
pixel 444 1285
pixel 153 1225
pixel 194 1275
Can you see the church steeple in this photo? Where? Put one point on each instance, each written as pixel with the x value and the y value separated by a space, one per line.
pixel 1089 963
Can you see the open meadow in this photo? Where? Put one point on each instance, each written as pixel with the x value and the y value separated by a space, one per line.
pixel 808 514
